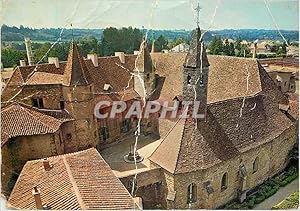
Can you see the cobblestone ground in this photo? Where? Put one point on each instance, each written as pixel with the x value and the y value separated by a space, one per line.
pixel 281 194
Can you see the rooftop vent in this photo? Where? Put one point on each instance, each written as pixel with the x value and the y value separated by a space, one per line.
pixel 53 60
pixel 107 87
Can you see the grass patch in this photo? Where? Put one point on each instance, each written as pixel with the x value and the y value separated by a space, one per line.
pixel 291 202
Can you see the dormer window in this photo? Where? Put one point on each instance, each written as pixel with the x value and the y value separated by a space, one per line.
pixel 189 79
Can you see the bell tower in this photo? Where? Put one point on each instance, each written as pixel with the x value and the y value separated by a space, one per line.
pixel 195 72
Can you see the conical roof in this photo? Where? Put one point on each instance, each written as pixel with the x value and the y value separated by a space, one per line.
pixel 144 61
pixel 76 72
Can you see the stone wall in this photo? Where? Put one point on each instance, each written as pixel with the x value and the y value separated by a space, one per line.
pixel 271 160
pixel 17 151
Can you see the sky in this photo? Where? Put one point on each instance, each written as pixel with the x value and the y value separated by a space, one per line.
pixel 151 14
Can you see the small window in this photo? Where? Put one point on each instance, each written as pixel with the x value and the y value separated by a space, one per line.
pixel 148 75
pixel 62 105
pixel 255 165
pixel 189 78
pixel 192 193
pixel 224 182
pixel 285 83
pixel 104 135
pixel 38 102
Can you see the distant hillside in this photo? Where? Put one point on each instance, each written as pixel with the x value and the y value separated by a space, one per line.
pixel 15 34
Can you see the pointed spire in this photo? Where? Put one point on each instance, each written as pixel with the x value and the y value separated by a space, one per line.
pixel 144 62
pixel 153 46
pixel 76 72
pixel 196 51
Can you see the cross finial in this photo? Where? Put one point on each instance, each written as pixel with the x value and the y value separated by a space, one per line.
pixel 72 31
pixel 198 8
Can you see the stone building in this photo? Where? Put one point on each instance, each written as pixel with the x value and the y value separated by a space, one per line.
pixel 29 133
pixel 80 180
pixel 242 136
pixel 243 139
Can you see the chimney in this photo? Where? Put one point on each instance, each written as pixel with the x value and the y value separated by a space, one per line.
pixel 121 55
pixel 22 63
pixel 37 198
pixel 53 60
pixel 254 50
pixel 29 51
pixel 136 52
pixel 46 164
pixel 94 59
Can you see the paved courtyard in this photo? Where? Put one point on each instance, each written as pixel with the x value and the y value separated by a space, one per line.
pixel 114 155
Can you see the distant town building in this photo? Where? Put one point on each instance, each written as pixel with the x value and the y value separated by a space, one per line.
pixel 182 47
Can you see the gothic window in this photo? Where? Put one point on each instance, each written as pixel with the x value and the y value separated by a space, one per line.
pixel 38 102
pixel 192 193
pixel 224 181
pixel 104 135
pixel 255 165
pixel 189 78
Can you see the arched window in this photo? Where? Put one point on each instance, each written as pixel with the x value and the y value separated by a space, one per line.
pixel 255 165
pixel 192 193
pixel 224 181
pixel 189 78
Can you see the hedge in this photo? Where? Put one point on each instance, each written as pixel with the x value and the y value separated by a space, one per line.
pixel 267 189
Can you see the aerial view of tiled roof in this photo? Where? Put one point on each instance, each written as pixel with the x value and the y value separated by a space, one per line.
pixel 80 180
pixel 228 76
pixel 232 126
pixel 19 119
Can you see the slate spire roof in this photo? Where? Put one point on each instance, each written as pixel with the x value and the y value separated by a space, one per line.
pixel 76 72
pixel 196 51
pixel 144 61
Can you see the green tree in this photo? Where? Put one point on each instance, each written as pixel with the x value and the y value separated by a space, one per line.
pixel 89 44
pixel 10 57
pixel 161 43
pixel 216 46
pixel 59 50
pixel 124 39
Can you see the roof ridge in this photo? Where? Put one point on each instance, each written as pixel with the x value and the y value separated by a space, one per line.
pixel 180 147
pixel 74 184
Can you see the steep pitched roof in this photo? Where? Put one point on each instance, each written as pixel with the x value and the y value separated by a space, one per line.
pixel 227 78
pixel 232 126
pixel 23 120
pixel 196 55
pixel 81 180
pixel 76 72
pixel 144 61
